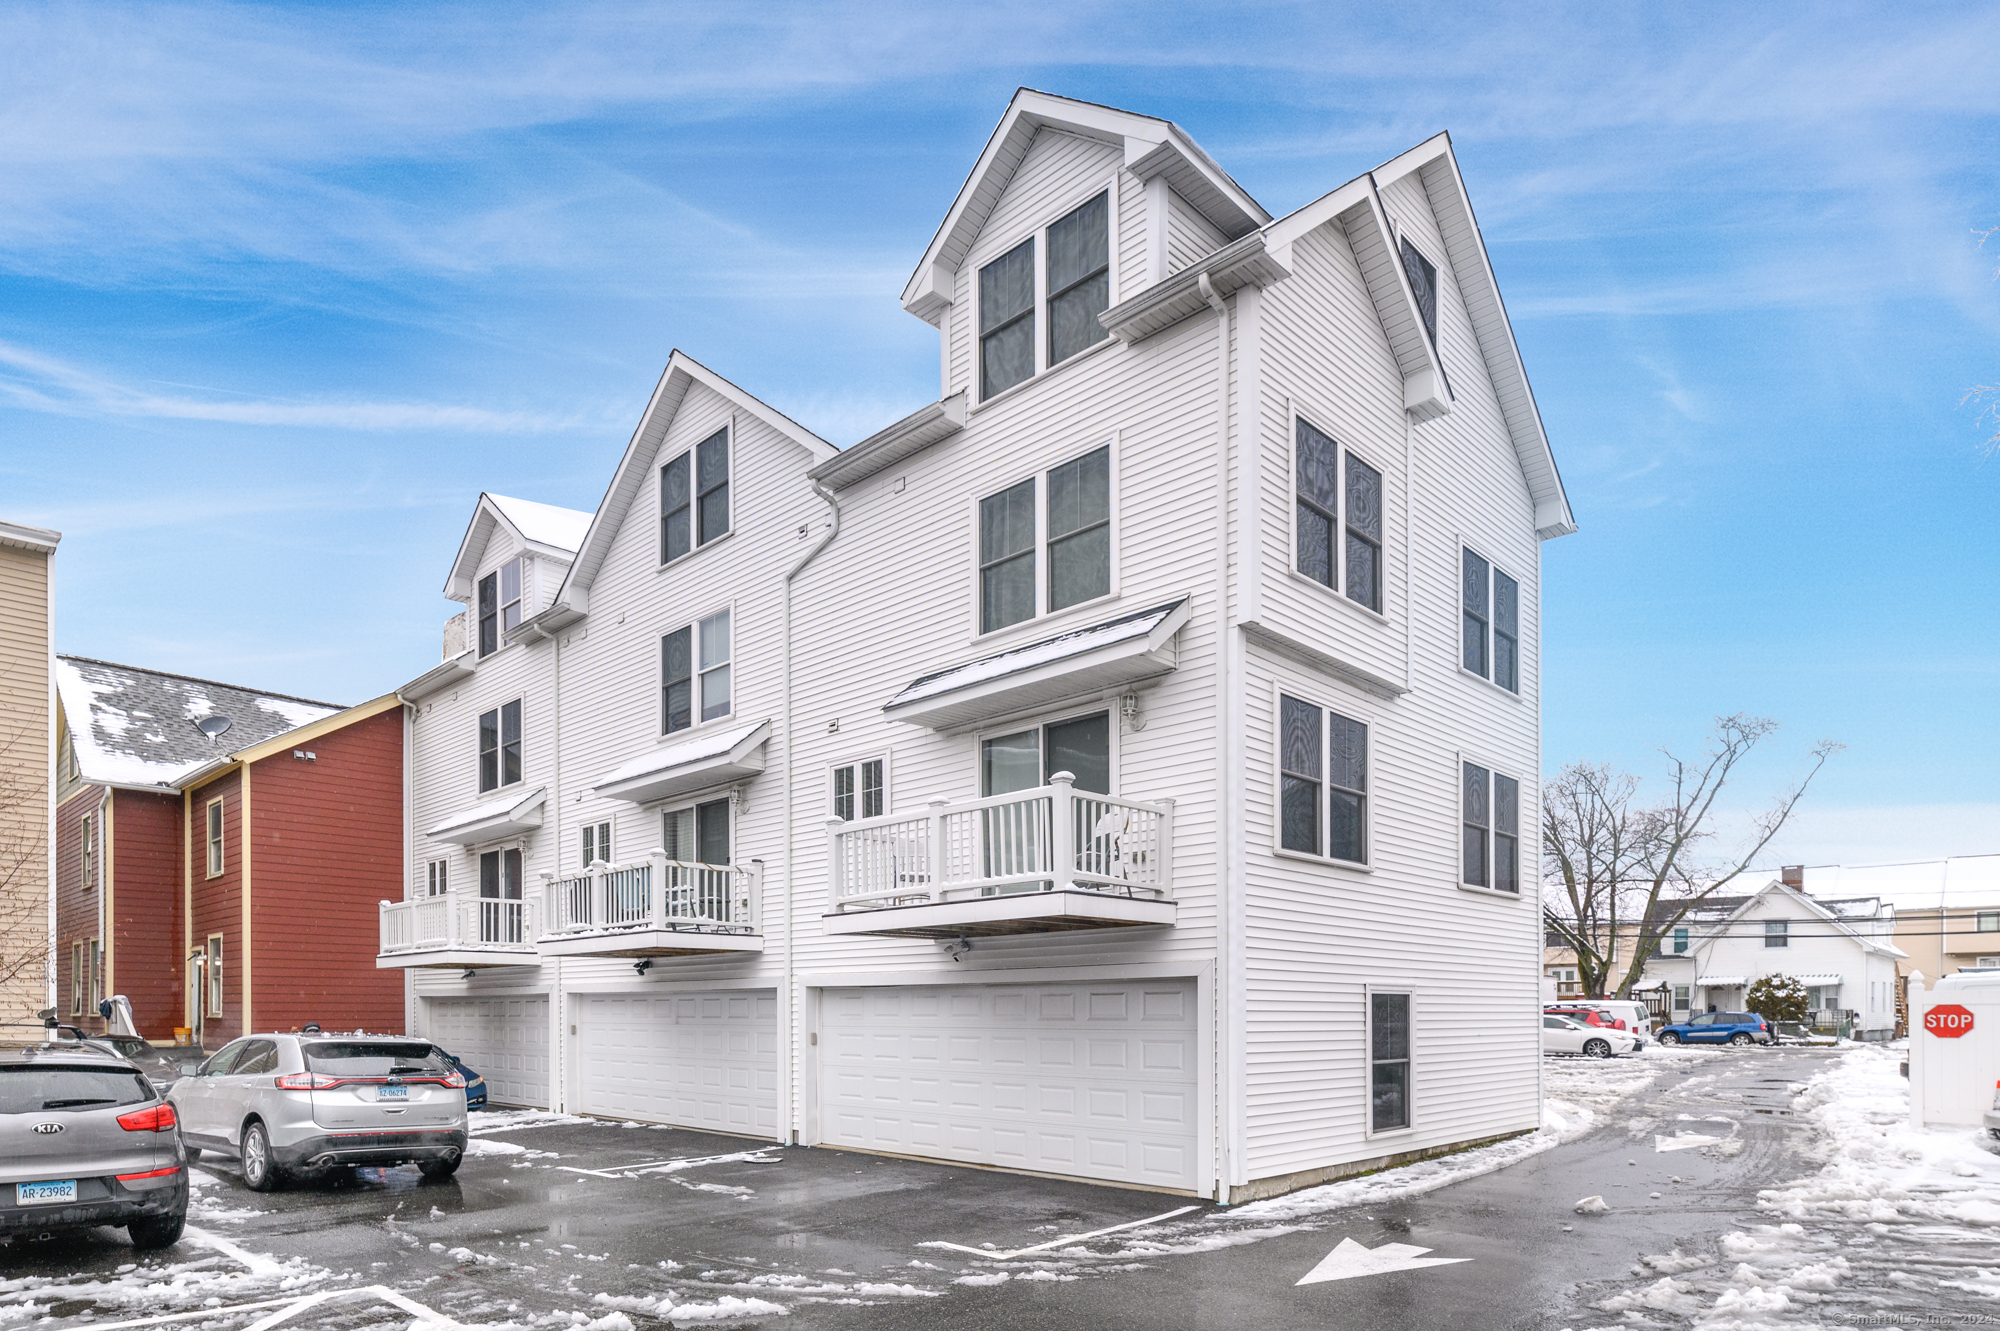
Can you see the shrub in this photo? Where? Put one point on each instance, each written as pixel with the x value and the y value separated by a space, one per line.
pixel 1777 998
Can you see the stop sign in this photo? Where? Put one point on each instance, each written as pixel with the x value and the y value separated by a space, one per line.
pixel 1948 1021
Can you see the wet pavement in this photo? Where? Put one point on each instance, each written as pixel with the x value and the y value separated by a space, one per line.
pixel 645 1227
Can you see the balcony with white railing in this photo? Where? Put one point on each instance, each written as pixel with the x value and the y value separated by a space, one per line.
pixel 457 930
pixel 653 907
pixel 1032 861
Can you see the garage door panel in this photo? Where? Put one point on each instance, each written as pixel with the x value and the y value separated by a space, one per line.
pixel 704 1061
pixel 506 1040
pixel 1096 1081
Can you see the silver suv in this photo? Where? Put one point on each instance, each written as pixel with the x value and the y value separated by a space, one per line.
pixel 304 1104
pixel 86 1139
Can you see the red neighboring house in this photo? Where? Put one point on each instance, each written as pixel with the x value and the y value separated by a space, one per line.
pixel 221 853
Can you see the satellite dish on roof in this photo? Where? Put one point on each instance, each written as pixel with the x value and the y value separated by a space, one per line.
pixel 213 726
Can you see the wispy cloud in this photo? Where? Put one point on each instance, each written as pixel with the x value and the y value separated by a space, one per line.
pixel 43 383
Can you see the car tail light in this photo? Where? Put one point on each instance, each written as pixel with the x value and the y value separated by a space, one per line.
pixel 1996 1095
pixel 151 1173
pixel 306 1081
pixel 160 1118
pixel 455 1080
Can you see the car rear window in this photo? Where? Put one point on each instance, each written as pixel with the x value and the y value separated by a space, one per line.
pixel 37 1089
pixel 376 1058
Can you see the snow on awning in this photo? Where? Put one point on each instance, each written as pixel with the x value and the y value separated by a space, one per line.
pixel 1119 651
pixel 1722 981
pixel 1820 979
pixel 713 759
pixel 505 817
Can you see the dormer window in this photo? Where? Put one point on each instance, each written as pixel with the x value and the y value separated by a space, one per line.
pixel 510 595
pixel 1423 275
pixel 499 605
pixel 1076 288
pixel 694 497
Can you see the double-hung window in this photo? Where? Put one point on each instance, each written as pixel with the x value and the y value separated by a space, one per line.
pixel 1071 515
pixel 215 847
pixel 860 789
pixel 694 673
pixel 437 878
pixel 510 595
pixel 1491 637
pixel 1490 829
pixel 694 496
pixel 596 843
pixel 1777 933
pixel 697 835
pixel 88 858
pixel 1076 288
pixel 1323 772
pixel 500 746
pixel 1339 518
pixel 489 614
pixel 1389 1059
pixel 77 963
pixel 1680 942
pixel 216 989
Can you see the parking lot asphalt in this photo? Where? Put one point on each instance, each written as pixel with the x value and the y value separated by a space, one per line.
pixel 645 1226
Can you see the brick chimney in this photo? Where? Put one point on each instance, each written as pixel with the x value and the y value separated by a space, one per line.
pixel 1794 876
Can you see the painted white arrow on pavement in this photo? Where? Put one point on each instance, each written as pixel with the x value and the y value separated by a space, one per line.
pixel 1682 1141
pixel 1350 1259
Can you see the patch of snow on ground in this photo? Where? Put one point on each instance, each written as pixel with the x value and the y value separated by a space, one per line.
pixel 484 1121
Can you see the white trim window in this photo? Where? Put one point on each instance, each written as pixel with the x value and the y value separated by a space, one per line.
pixel 1423 275
pixel 596 843
pixel 500 746
pixel 215 840
pixel 694 673
pixel 1065 511
pixel 1490 831
pixel 859 789
pixel 1339 516
pixel 1681 993
pixel 1075 288
pixel 697 833
pixel 694 497
pixel 1323 782
pixel 1777 933
pixel 437 877
pixel 499 605
pixel 216 988
pixel 1026 759
pixel 1388 1060
pixel 88 856
pixel 78 977
pixel 1490 603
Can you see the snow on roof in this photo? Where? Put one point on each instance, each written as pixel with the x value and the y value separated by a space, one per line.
pixel 136 727
pixel 712 745
pixel 1075 643
pixel 545 524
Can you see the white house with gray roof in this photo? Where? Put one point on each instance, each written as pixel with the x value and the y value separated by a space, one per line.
pixel 1123 767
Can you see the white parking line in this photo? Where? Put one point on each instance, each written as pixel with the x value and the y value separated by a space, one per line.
pixel 291 1307
pixel 259 1264
pixel 761 1157
pixel 1057 1243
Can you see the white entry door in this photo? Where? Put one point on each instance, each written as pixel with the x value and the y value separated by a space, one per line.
pixel 699 1060
pixel 506 1040
pixel 1091 1080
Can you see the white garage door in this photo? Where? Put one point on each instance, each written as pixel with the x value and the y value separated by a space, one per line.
pixel 1092 1080
pixel 702 1060
pixel 504 1039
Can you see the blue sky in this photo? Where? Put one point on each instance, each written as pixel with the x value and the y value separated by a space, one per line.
pixel 282 289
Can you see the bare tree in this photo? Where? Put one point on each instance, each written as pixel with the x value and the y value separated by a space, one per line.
pixel 1618 876
pixel 24 878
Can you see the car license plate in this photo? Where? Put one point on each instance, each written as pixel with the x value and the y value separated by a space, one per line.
pixel 392 1093
pixel 34 1194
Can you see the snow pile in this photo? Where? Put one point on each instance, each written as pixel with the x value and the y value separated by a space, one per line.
pixel 505 1120
pixel 665 1307
pixel 1878 1168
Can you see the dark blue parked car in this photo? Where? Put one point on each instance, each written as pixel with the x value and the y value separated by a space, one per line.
pixel 1739 1028
pixel 475 1085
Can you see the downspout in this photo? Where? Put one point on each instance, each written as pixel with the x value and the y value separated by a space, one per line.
pixel 1229 972
pixel 787 1014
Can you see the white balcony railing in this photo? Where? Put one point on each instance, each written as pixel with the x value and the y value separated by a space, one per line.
pixel 1052 837
pixel 653 893
pixel 458 921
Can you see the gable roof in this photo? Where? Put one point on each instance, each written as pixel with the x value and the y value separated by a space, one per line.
pixel 547 530
pixel 134 727
pixel 1436 168
pixel 1825 910
pixel 1152 147
pixel 682 373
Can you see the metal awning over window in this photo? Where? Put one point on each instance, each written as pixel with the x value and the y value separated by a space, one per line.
pixel 1086 661
pixel 1722 982
pixel 1815 980
pixel 507 816
pixel 735 753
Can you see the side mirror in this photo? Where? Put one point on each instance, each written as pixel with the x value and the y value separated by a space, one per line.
pixel 190 1069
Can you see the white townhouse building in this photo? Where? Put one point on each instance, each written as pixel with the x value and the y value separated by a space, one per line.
pixel 1123 768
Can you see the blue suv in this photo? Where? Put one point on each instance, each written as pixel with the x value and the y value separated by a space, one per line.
pixel 1739 1028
